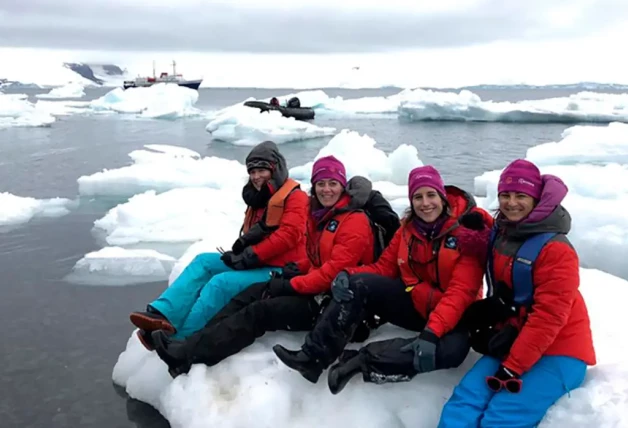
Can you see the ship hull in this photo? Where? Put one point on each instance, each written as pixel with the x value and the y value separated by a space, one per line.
pixel 192 84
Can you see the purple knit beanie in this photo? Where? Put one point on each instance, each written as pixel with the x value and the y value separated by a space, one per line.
pixel 425 176
pixel 329 168
pixel 521 176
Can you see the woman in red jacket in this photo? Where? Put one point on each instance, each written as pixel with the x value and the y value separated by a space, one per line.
pixel 424 281
pixel 339 236
pixel 534 327
pixel 273 234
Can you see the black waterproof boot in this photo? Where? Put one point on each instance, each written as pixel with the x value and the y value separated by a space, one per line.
pixel 309 368
pixel 146 339
pixel 151 320
pixel 340 374
pixel 173 352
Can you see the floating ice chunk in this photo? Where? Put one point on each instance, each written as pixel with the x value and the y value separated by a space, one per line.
pixel 18 210
pixel 163 168
pixel 178 215
pixel 360 157
pixel 424 105
pixel 71 90
pixel 119 266
pixel 585 144
pixel 248 126
pixel 160 101
pixel 598 191
pixel 17 111
pixel 254 388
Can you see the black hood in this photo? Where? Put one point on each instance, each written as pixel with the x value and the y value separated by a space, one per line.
pixel 269 152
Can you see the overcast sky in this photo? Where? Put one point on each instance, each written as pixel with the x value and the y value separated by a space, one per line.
pixel 298 26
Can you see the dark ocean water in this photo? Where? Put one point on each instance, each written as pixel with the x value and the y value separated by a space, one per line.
pixel 62 340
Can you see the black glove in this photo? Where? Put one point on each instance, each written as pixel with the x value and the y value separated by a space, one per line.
pixel 239 246
pixel 489 311
pixel 256 234
pixel 424 348
pixel 473 221
pixel 290 270
pixel 505 378
pixel 246 260
pixel 340 288
pixel 277 287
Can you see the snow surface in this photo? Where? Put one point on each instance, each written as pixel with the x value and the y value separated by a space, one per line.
pixel 422 105
pixel 593 162
pixel 253 388
pixel 71 90
pixel 160 101
pixel 16 210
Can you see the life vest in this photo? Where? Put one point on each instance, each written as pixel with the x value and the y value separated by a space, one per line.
pixel 523 263
pixel 274 207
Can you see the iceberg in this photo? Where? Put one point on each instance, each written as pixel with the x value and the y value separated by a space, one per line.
pixel 246 126
pixel 593 162
pixel 466 106
pixel 16 210
pixel 116 266
pixel 160 101
pixel 253 388
pixel 162 168
pixel 360 157
pixel 17 111
pixel 71 90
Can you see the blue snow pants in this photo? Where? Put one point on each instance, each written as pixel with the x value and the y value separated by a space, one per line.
pixel 202 289
pixel 474 405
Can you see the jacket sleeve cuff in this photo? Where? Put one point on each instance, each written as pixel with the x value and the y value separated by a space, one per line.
pixel 510 365
pixel 428 335
pixel 436 329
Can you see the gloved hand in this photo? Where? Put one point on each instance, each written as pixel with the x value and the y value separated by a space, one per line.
pixel 489 312
pixel 473 221
pixel 340 288
pixel 290 270
pixel 246 260
pixel 424 348
pixel 239 246
pixel 505 378
pixel 278 286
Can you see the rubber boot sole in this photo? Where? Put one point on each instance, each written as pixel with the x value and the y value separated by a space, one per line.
pixel 146 323
pixel 143 340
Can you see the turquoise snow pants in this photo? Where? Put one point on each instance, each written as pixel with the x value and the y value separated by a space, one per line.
pixel 474 405
pixel 202 289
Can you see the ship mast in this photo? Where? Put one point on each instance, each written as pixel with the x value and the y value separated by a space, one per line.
pixel 174 68
pixel 154 76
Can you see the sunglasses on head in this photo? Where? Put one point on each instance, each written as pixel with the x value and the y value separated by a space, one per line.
pixel 510 385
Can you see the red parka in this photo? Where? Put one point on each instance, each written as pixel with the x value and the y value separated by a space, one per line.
pixel 341 239
pixel 558 321
pixel 285 214
pixel 443 275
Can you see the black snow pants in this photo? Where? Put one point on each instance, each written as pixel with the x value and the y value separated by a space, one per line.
pixel 247 317
pixel 381 361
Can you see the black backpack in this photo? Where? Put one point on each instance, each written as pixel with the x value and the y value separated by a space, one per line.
pixel 384 221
